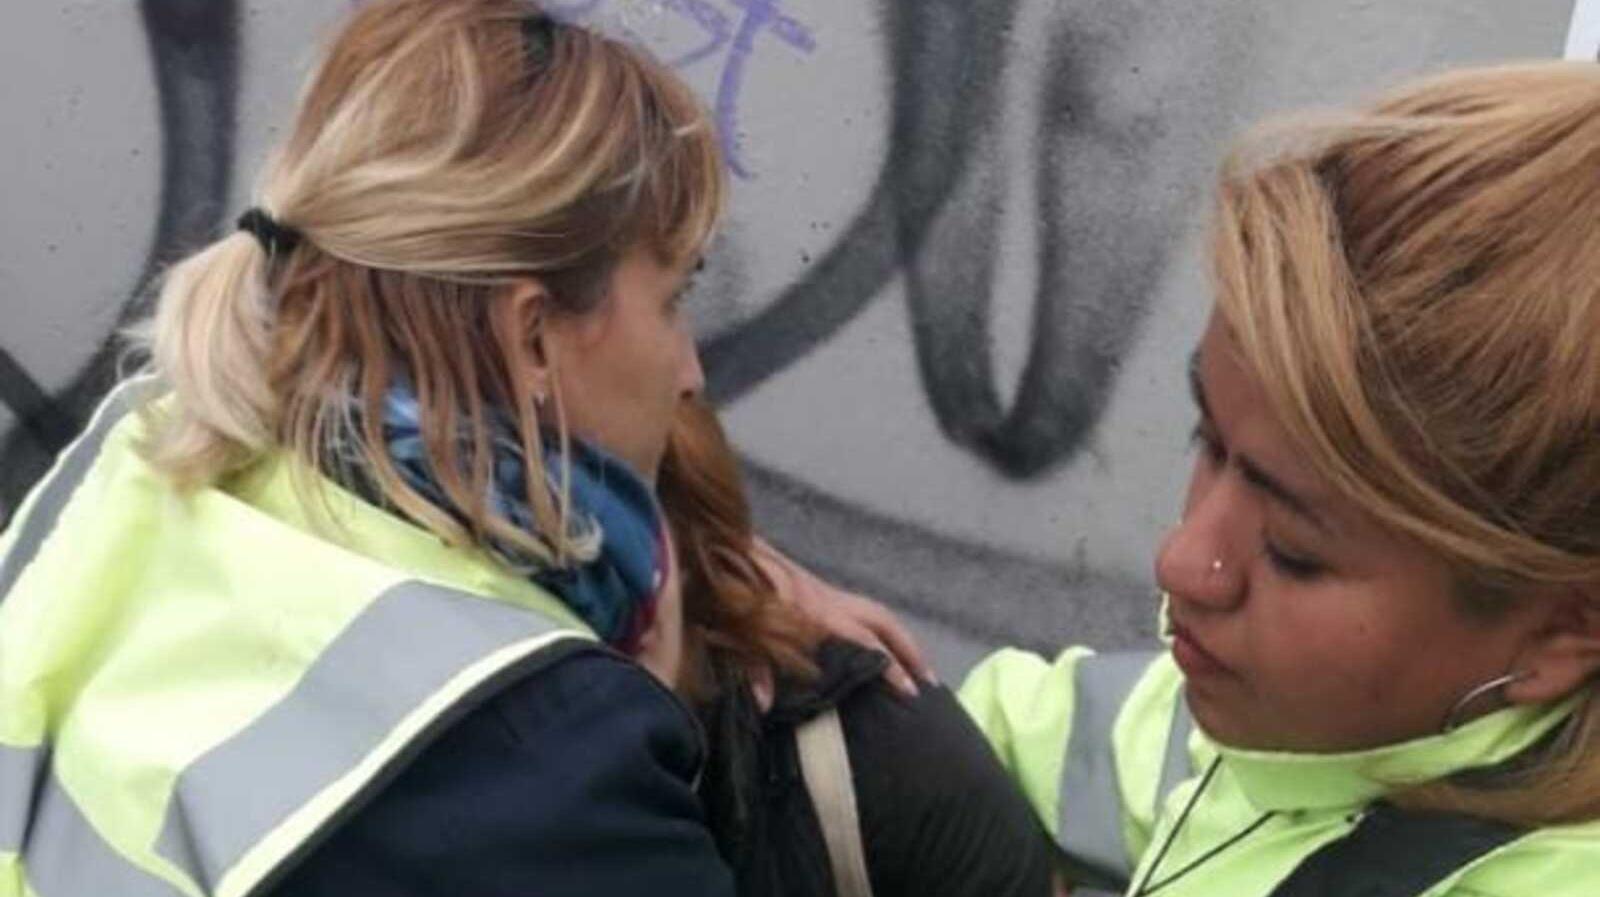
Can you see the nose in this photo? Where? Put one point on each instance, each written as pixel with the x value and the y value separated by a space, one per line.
pixel 1201 560
pixel 691 376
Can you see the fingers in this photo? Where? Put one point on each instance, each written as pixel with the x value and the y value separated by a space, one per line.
pixel 896 640
pixel 851 617
pixel 895 673
pixel 897 677
pixel 763 687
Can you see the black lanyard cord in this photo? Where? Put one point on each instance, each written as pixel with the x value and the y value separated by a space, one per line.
pixel 1145 887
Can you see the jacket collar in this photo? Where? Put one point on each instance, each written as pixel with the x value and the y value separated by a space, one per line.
pixel 1286 782
pixel 273 487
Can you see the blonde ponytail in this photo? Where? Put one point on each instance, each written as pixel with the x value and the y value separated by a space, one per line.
pixel 209 340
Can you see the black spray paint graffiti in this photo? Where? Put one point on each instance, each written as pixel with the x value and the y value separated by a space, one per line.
pixel 931 217
pixel 194 45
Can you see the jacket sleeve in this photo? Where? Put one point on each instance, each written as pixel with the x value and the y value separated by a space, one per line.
pixel 938 815
pixel 1558 861
pixel 575 781
pixel 1095 741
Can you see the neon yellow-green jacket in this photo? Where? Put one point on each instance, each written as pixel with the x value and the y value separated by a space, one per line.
pixel 1104 748
pixel 193 689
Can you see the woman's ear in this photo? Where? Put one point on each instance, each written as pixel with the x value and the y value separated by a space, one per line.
pixel 517 318
pixel 1561 654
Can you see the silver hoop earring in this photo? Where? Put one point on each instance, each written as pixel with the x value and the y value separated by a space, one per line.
pixel 1452 720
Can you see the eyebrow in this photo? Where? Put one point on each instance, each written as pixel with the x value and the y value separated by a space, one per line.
pixel 1253 472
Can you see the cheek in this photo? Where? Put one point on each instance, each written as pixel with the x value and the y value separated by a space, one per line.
pixel 579 352
pixel 589 393
pixel 628 369
pixel 1331 656
pixel 1340 652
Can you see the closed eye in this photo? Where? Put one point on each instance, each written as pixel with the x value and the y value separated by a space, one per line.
pixel 1292 565
pixel 1203 439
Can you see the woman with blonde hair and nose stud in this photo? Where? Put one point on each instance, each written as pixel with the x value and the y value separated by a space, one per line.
pixel 1383 599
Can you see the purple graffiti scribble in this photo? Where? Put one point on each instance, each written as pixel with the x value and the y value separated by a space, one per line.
pixel 758 15
pixel 720 33
pixel 715 22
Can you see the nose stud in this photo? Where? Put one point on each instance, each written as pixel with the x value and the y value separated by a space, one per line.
pixel 1216 565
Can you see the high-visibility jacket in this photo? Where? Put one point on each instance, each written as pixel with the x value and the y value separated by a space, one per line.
pixel 194 689
pixel 1106 752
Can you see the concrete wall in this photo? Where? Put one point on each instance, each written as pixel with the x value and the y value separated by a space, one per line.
pixel 949 318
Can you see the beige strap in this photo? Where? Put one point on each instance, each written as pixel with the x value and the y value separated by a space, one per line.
pixel 825 764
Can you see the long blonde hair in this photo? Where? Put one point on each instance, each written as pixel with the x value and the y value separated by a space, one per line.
pixel 441 149
pixel 1417 288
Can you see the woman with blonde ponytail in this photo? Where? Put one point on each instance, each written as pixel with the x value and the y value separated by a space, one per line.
pixel 1383 598
pixel 344 595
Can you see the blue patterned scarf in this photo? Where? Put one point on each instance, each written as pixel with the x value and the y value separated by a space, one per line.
pixel 616 592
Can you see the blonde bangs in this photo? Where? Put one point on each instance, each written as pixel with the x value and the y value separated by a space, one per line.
pixel 1404 286
pixel 682 185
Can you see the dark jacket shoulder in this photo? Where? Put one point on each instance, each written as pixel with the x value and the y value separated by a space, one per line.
pixel 938 814
pixel 578 779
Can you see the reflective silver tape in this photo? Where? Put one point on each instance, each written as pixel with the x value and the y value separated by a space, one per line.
pixel 65 479
pixel 1176 767
pixel 63 855
pixel 22 770
pixel 351 699
pixel 1091 801
pixel 404 648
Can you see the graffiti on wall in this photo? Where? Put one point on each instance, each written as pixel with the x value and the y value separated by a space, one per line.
pixel 1583 33
pixel 726 38
pixel 194 47
pixel 1089 122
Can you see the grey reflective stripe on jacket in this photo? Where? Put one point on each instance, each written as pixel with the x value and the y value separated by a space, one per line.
pixel 63 854
pixel 219 809
pixel 22 776
pixel 1176 766
pixel 1091 804
pixel 352 697
pixel 232 797
pixel 65 478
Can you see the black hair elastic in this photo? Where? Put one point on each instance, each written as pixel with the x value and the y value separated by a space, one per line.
pixel 277 239
pixel 539 39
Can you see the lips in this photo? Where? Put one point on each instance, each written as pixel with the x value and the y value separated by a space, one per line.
pixel 1196 661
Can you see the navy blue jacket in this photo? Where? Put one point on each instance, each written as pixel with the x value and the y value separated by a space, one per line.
pixel 578 780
